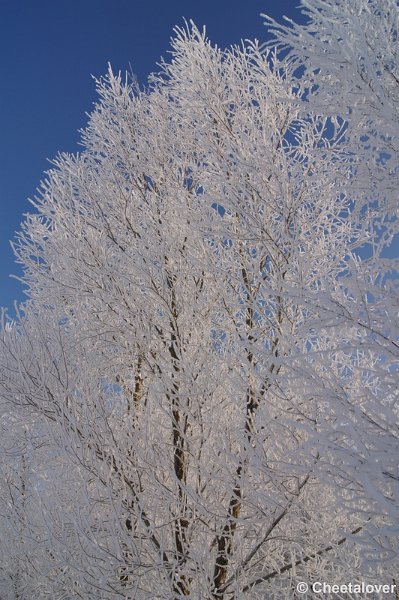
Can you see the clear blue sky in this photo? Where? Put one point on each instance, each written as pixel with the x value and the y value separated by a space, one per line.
pixel 50 49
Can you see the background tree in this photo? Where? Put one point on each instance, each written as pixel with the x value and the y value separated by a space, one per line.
pixel 350 77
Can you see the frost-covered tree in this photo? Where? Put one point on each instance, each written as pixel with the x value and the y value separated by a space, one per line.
pixel 198 350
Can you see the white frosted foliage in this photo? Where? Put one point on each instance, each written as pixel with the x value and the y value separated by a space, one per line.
pixel 199 398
